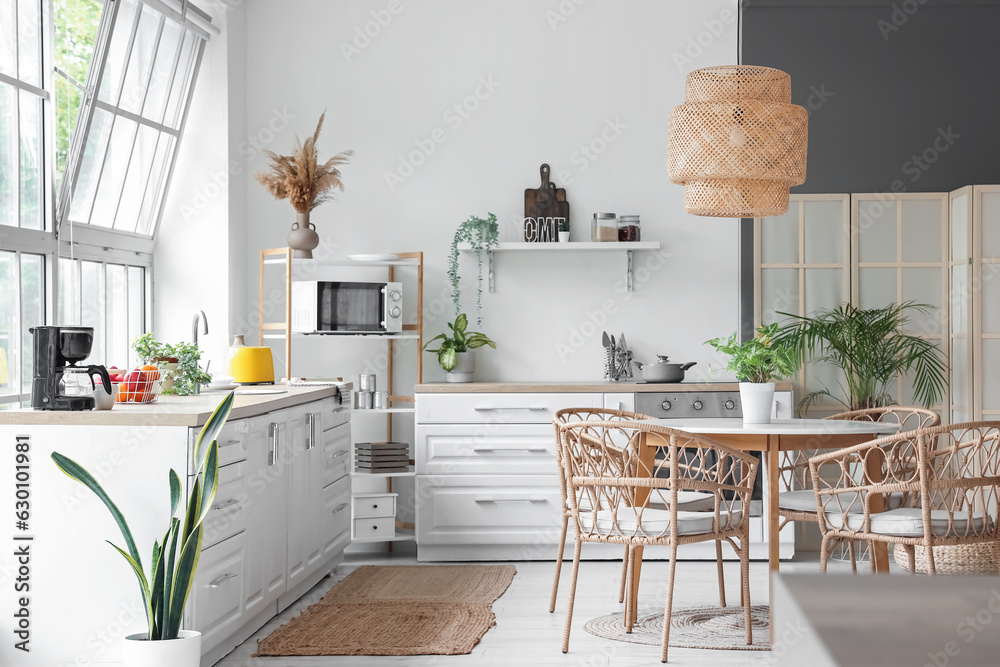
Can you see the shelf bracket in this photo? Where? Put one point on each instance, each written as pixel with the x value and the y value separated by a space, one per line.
pixel 628 270
pixel 490 253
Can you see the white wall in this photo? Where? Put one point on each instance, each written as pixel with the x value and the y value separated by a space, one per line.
pixel 558 84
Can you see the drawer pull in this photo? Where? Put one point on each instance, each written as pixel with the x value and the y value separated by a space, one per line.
pixel 215 583
pixel 337 455
pixel 500 408
pixel 228 503
pixel 510 449
pixel 230 443
pixel 493 499
pixel 340 508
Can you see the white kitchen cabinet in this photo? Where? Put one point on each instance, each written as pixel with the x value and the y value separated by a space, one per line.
pixel 624 402
pixel 216 599
pixel 489 448
pixel 513 408
pixel 305 543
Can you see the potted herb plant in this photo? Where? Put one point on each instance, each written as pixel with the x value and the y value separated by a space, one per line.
pixel 481 235
pixel 870 348
pixel 307 183
pixel 757 362
pixel 455 353
pixel 166 584
pixel 151 351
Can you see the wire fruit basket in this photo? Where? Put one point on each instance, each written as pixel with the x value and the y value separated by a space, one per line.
pixel 140 386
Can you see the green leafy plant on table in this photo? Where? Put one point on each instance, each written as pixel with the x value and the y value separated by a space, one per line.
pixel 870 348
pixel 186 355
pixel 759 360
pixel 481 235
pixel 459 341
pixel 166 585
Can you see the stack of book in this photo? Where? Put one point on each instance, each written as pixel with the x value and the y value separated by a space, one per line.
pixel 375 457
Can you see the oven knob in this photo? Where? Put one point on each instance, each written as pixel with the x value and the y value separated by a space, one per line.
pixel 697 405
pixel 395 312
pixel 665 405
pixel 730 404
pixel 395 295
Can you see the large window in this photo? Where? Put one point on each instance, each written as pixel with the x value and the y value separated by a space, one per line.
pixel 93 98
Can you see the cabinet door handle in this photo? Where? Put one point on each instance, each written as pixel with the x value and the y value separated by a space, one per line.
pixel 510 449
pixel 340 508
pixel 494 499
pixel 215 583
pixel 272 431
pixel 228 503
pixel 311 434
pixel 337 455
pixel 499 408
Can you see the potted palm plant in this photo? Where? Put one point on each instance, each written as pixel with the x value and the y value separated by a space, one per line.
pixel 870 348
pixel 757 362
pixel 165 586
pixel 455 353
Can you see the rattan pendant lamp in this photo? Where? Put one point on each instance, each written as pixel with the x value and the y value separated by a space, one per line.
pixel 737 143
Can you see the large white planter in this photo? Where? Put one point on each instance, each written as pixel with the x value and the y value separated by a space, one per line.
pixel 465 367
pixel 758 401
pixel 185 651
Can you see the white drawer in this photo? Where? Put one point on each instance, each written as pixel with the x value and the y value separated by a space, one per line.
pixel 375 528
pixel 336 453
pixel 333 414
pixel 486 448
pixel 374 505
pixel 232 443
pixel 336 524
pixel 227 517
pixel 216 601
pixel 487 509
pixel 499 408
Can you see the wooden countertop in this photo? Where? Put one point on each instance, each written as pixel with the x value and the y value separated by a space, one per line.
pixel 177 410
pixel 578 387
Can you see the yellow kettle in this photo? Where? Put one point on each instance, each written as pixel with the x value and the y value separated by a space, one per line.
pixel 252 365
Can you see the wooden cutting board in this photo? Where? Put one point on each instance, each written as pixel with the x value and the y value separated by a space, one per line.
pixel 546 201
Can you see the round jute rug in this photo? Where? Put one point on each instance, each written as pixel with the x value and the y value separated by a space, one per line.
pixel 697 627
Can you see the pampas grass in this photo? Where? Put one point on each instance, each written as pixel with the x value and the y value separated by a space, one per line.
pixel 300 177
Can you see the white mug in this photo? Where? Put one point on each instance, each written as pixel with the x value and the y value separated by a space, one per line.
pixel 102 399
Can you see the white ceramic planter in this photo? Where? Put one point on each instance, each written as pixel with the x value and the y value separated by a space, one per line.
pixel 465 367
pixel 185 651
pixel 758 401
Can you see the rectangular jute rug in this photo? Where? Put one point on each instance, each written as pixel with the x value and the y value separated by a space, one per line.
pixel 397 610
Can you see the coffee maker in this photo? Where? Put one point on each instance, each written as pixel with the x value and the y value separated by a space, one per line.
pixel 57 382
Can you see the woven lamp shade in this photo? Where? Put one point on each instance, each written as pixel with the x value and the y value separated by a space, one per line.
pixel 737 143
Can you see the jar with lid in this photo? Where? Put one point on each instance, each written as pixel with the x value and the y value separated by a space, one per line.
pixel 628 228
pixel 604 227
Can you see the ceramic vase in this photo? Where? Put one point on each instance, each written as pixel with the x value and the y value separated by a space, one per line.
pixel 758 401
pixel 303 237
pixel 465 367
pixel 185 651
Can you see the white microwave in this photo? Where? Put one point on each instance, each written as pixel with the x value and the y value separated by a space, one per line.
pixel 338 307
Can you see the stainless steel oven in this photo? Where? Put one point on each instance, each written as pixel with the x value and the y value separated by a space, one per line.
pixel 340 307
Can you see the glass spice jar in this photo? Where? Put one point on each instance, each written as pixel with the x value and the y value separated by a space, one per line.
pixel 604 227
pixel 628 228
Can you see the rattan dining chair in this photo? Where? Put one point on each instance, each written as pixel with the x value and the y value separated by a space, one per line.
pixel 689 501
pixel 613 480
pixel 798 503
pixel 951 474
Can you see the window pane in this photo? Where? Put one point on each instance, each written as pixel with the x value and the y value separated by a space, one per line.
pixel 115 65
pixel 8 156
pixel 8 37
pixel 69 291
pixel 32 173
pixel 159 83
pixel 154 188
pixel 115 163
pixel 140 61
pixel 136 305
pixel 93 158
pixel 32 310
pixel 29 41
pixel 178 90
pixel 8 322
pixel 92 308
pixel 117 311
pixel 138 173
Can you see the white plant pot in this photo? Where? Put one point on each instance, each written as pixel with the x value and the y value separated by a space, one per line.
pixel 758 401
pixel 185 651
pixel 465 367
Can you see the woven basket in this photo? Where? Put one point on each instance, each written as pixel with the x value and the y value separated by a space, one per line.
pixel 979 558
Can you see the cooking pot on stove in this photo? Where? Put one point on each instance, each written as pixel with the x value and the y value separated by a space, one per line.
pixel 663 370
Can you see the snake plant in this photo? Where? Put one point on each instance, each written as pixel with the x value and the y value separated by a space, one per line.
pixel 174 561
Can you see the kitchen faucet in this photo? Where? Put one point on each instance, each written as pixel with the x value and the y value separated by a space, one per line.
pixel 200 315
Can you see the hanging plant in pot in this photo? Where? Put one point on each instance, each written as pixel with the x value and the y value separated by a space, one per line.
pixel 167 583
pixel 305 182
pixel 481 235
pixel 455 353
pixel 757 362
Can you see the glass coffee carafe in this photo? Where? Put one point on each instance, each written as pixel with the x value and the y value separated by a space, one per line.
pixel 76 382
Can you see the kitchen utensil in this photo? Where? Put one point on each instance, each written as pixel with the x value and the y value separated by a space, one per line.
pixel 253 365
pixel 546 201
pixel 663 370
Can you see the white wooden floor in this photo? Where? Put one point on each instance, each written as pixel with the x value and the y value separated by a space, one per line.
pixel 527 634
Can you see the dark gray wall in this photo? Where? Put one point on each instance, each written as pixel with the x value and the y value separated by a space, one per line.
pixel 898 101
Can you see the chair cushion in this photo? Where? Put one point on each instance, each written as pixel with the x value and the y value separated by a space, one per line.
pixel 689 501
pixel 654 522
pixel 805 501
pixel 908 522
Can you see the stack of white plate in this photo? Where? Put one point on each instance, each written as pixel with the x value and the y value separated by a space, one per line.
pixel 220 383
